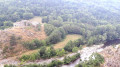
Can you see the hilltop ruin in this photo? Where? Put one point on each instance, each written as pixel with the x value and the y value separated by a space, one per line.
pixel 25 23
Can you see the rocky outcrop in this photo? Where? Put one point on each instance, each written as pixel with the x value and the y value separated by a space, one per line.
pixel 112 56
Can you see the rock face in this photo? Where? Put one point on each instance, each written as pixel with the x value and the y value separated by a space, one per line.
pixel 112 56
pixel 88 51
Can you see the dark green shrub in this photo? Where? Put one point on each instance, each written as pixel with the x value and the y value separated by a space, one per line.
pixel 24 58
pixel 69 46
pixel 55 63
pixel 49 29
pixel 29 45
pixel 13 40
pixel 68 60
pixel 39 43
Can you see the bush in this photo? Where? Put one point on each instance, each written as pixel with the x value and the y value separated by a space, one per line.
pixel 42 52
pixel 56 36
pixel 39 43
pixel 75 57
pixel 72 45
pixel 13 40
pixel 31 57
pixel 75 49
pixel 34 56
pixel 28 16
pixel 50 52
pixel 49 29
pixel 29 45
pixel 24 58
pixel 55 63
pixel 34 44
pixel 56 23
pixel 69 46
pixel 68 60
pixel 60 52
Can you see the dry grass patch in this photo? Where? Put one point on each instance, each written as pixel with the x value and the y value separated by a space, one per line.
pixel 66 40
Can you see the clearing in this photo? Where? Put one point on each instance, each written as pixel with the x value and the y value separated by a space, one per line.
pixel 71 37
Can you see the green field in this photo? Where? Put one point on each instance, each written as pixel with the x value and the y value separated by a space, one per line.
pixel 71 37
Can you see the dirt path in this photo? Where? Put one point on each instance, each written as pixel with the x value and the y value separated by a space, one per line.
pixel 39 19
pixel 43 31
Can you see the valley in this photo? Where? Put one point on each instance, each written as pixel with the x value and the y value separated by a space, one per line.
pixel 59 33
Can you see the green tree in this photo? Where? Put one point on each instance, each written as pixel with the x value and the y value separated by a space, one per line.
pixel 8 23
pixel 13 40
pixel 60 52
pixel 69 46
pixel 42 52
pixel 27 16
pixel 75 49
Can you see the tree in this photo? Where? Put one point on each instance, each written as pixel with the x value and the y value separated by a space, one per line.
pixel 50 52
pixel 30 45
pixel 42 52
pixel 49 29
pixel 75 49
pixel 69 46
pixel 27 16
pixel 38 43
pixel 67 60
pixel 60 52
pixel 13 40
pixel 8 23
pixel 15 17
pixel 56 23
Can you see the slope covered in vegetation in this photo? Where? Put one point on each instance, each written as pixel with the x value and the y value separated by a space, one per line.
pixel 97 21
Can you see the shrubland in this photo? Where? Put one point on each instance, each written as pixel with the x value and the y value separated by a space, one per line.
pixel 94 61
pixel 54 63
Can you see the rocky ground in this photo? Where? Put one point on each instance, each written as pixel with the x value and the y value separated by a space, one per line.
pixel 112 56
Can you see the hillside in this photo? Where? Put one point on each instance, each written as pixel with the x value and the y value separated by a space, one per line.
pixel 59 33
pixel 27 33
